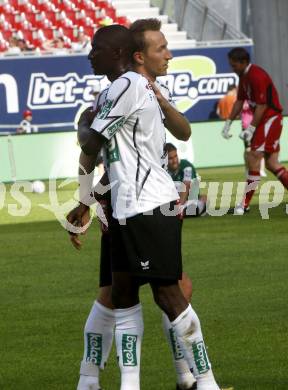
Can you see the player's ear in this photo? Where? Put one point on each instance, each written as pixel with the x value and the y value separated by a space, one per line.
pixel 138 57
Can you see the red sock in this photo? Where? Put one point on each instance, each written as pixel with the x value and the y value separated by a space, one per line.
pixel 253 179
pixel 282 175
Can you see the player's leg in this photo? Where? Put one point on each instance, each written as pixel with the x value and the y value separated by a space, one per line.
pixel 187 328
pixel 153 243
pixel 272 147
pixel 185 379
pixel 128 328
pixel 99 327
pixel 128 313
pixel 273 165
pixel 253 176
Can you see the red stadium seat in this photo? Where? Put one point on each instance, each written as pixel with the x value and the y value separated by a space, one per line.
pixel 71 14
pixel 122 20
pixel 10 17
pixel 28 34
pixel 39 20
pixel 65 5
pixel 46 6
pixel 6 8
pixel 69 32
pixel 23 25
pixel 7 33
pixel 14 3
pixel 34 2
pixel 4 45
pixel 90 30
pixel 32 17
pixel 62 20
pixel 51 16
pixel 50 32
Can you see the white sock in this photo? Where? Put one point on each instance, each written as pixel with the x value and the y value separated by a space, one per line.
pixel 98 338
pixel 88 383
pixel 188 331
pixel 185 378
pixel 128 336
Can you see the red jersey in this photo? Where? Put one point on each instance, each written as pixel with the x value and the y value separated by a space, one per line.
pixel 256 86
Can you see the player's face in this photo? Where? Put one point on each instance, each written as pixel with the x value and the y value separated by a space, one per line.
pixel 100 56
pixel 238 67
pixel 156 54
pixel 173 161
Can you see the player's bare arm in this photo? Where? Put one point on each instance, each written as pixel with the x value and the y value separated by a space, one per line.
pixel 90 141
pixel 80 215
pixel 236 110
pixel 258 114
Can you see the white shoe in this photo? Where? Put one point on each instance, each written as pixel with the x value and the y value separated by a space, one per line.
pixel 239 210
pixel 188 384
pixel 88 383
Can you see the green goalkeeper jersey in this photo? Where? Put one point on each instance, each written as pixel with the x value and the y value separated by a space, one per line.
pixel 185 172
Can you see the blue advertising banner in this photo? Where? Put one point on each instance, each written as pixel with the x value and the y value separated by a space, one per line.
pixel 55 87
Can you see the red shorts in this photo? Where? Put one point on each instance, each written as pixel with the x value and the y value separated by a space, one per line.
pixel 267 135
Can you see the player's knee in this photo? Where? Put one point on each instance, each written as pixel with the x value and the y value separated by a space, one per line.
pixel 168 298
pixel 123 297
pixel 270 166
pixel 186 286
pixel 105 297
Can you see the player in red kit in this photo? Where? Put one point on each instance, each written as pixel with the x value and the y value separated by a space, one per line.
pixel 263 134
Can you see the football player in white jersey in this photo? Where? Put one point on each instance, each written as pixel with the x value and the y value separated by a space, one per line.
pixel 100 321
pixel 132 117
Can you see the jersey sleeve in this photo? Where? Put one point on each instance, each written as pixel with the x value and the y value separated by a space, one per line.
pixel 121 101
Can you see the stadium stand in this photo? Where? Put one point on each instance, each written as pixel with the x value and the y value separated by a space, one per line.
pixel 37 21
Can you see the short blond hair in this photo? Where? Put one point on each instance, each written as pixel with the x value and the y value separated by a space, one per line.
pixel 139 27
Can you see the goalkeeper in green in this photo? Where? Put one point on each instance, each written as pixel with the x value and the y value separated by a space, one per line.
pixel 184 174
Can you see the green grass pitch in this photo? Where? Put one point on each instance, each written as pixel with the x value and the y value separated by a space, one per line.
pixel 239 271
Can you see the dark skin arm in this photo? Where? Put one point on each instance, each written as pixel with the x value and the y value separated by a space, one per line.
pixel 236 110
pixel 90 141
pixel 91 144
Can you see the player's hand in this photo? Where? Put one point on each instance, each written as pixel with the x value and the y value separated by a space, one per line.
pixel 78 217
pixel 160 98
pixel 87 116
pixel 248 133
pixel 226 129
pixel 180 209
pixel 102 212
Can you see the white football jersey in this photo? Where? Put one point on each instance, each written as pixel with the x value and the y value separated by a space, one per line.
pixel 130 118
